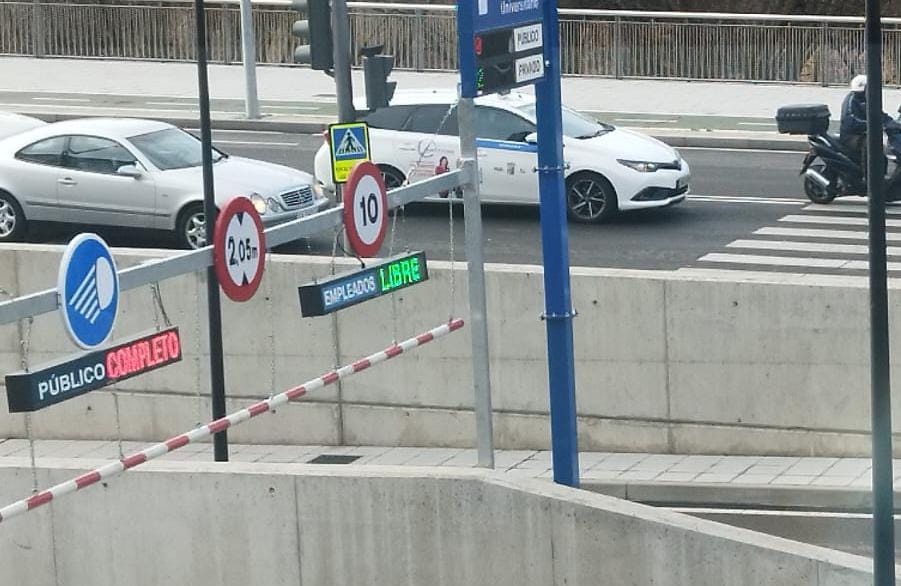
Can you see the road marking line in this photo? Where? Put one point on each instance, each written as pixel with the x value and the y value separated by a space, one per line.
pixel 252 143
pixel 649 120
pixel 61 99
pixel 736 150
pixel 110 108
pixel 769 124
pixel 266 107
pixel 782 261
pixel 835 220
pixel 809 247
pixel 186 103
pixel 748 199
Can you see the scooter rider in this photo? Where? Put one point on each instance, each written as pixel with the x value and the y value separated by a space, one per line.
pixel 853 132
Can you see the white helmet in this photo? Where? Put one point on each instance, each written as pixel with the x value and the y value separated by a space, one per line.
pixel 859 83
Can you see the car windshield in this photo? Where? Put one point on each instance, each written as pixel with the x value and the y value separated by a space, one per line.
pixel 575 125
pixel 172 148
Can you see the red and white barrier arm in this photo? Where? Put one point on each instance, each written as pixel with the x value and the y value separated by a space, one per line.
pixel 199 433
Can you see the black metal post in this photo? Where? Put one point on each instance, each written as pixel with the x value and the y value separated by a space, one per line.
pixel 880 389
pixel 217 366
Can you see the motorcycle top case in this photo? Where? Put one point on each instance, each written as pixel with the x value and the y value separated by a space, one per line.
pixel 803 119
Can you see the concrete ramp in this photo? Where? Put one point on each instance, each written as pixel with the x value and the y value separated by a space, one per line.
pixel 198 524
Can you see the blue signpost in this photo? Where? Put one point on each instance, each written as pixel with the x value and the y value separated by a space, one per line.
pixel 505 44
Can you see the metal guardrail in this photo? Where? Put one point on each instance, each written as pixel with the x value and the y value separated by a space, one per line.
pixel 158 270
pixel 609 43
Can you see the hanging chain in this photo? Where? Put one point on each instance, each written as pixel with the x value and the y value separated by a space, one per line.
pixel 451 251
pixel 118 423
pixel 269 304
pixel 429 145
pixel 26 347
pixel 159 308
pixel 198 400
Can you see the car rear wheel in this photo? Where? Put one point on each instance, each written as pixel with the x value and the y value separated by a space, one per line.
pixel 12 219
pixel 191 227
pixel 589 198
pixel 392 177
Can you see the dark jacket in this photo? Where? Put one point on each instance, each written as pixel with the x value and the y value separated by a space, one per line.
pixel 854 115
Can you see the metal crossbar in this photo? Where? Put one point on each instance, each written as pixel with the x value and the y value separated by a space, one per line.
pixel 158 270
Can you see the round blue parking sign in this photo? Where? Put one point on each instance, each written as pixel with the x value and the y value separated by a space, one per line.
pixel 88 290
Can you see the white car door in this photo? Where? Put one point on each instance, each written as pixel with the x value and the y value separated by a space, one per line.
pixel 429 143
pixel 507 175
pixel 91 192
pixel 34 176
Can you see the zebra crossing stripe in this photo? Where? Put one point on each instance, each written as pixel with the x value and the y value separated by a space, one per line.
pixel 781 261
pixel 821 233
pixel 835 220
pixel 849 209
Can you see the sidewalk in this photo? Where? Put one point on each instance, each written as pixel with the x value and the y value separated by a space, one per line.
pixel 767 481
pixel 668 108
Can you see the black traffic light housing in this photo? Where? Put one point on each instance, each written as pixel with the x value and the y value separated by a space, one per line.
pixel 317 31
pixel 376 69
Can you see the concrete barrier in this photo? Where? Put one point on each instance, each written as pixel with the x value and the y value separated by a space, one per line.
pixel 238 524
pixel 665 361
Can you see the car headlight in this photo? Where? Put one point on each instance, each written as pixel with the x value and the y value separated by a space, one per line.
pixel 317 189
pixel 274 206
pixel 640 166
pixel 258 202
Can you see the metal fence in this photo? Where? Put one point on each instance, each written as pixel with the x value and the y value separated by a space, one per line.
pixel 623 44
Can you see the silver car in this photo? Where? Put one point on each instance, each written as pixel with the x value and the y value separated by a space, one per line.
pixel 135 173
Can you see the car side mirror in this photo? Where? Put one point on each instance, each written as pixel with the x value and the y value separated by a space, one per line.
pixel 531 138
pixel 129 171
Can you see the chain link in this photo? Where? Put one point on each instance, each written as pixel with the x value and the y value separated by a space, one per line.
pixel 25 343
pixel 270 307
pixel 199 346
pixel 422 151
pixel 159 308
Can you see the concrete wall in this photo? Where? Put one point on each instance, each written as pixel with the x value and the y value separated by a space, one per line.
pixel 665 361
pixel 202 523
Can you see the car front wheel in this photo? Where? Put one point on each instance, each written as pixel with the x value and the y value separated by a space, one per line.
pixel 12 219
pixel 191 227
pixel 589 198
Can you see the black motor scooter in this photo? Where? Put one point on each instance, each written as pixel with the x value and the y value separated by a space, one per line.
pixel 829 169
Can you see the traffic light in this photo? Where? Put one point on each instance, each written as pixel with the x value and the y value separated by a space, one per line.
pixel 317 31
pixel 379 91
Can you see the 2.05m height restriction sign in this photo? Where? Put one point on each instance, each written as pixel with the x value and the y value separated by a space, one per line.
pixel 365 209
pixel 239 249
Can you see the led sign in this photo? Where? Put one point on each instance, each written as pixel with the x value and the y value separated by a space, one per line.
pixel 375 280
pixel 68 378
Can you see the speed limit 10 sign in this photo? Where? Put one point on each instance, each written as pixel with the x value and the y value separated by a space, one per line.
pixel 239 249
pixel 365 209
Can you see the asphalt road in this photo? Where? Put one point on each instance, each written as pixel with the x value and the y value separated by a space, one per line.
pixel 734 193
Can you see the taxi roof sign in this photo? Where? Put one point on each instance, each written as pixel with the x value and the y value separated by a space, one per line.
pixel 349 144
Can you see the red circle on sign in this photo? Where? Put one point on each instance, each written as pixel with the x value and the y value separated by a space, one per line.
pixel 239 249
pixel 365 172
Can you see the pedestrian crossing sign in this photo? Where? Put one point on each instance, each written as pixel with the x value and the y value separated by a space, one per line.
pixel 349 145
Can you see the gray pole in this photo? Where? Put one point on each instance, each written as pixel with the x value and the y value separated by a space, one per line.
pixel 478 315
pixel 341 39
pixel 249 58
pixel 346 113
pixel 880 383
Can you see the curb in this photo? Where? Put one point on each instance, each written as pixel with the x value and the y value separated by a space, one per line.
pixel 676 494
pixel 297 127
pixel 315 127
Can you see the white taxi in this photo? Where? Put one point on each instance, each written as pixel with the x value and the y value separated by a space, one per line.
pixel 609 169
